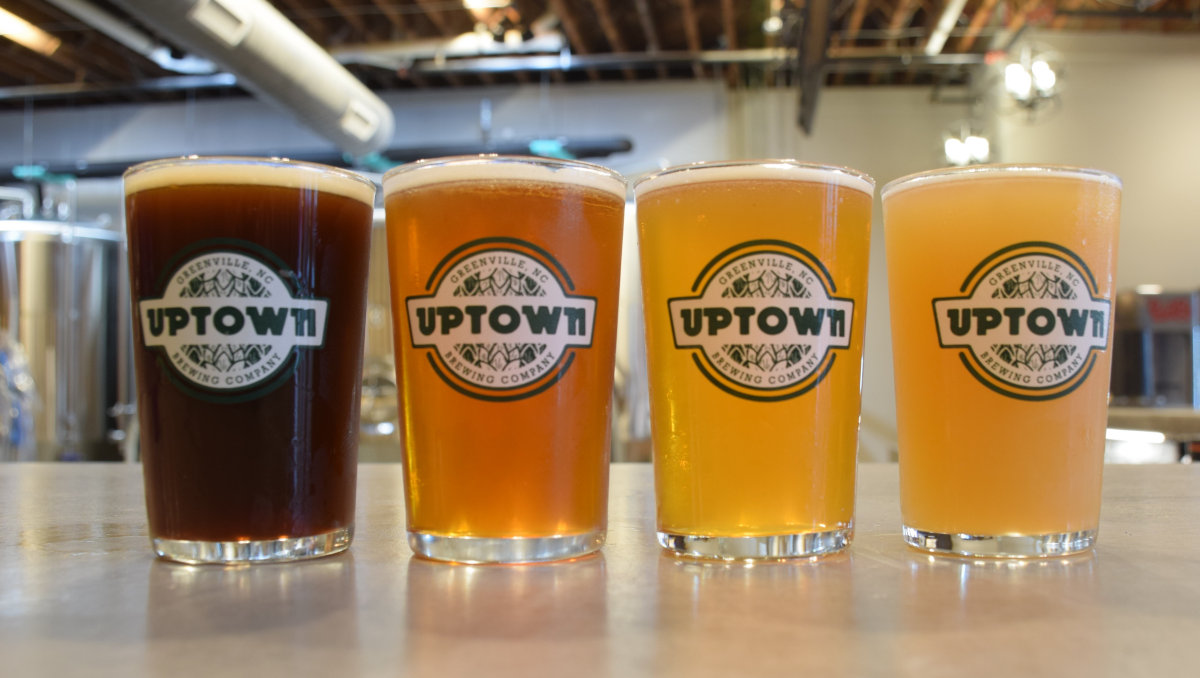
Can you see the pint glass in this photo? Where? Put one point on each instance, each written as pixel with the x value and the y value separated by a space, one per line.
pixel 504 277
pixel 754 276
pixel 248 280
pixel 1000 280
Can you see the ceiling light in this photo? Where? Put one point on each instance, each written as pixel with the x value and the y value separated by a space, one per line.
pixel 1149 289
pixel 772 25
pixel 1128 436
pixel 26 34
pixel 957 152
pixel 1043 75
pixel 1018 81
pixel 978 147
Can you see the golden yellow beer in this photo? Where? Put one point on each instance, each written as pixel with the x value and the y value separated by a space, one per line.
pixel 1000 280
pixel 754 276
pixel 504 276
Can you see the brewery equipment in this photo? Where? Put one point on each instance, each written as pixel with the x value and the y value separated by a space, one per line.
pixel 1155 358
pixel 64 340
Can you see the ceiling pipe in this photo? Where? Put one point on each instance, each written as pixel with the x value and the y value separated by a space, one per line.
pixel 946 23
pixel 396 55
pixel 134 39
pixel 276 62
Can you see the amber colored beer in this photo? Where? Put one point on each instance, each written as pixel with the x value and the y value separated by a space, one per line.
pixel 1001 384
pixel 504 279
pixel 754 278
pixel 248 280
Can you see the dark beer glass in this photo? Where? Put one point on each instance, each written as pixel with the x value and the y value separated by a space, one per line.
pixel 249 281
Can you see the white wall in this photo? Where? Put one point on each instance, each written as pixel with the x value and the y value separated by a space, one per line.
pixel 1131 105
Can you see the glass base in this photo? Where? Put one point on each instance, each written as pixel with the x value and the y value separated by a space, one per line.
pixel 804 545
pixel 1001 546
pixel 264 551
pixel 482 550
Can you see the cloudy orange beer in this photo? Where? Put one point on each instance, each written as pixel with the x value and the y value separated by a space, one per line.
pixel 504 275
pixel 1000 280
pixel 754 276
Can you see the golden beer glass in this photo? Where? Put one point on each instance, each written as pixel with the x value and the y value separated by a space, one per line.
pixel 504 275
pixel 754 277
pixel 1000 280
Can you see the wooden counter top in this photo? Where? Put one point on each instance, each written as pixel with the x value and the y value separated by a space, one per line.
pixel 82 595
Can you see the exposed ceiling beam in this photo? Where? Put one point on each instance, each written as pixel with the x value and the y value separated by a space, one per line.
pixel 399 25
pixel 691 29
pixel 982 15
pixel 1061 19
pixel 345 13
pixel 652 43
pixel 900 18
pixel 310 24
pixel 611 32
pixel 854 24
pixel 435 15
pixel 729 22
pixel 945 23
pixel 572 30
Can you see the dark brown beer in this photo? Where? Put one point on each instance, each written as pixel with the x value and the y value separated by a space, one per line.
pixel 249 290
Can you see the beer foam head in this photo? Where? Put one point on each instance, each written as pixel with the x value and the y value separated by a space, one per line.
pixel 503 168
pixel 979 172
pixel 755 170
pixel 194 171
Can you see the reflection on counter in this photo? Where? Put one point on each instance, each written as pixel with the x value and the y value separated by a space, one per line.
pixel 489 607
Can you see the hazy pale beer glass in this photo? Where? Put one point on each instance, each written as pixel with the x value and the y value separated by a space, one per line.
pixel 754 276
pixel 504 279
pixel 249 285
pixel 1000 281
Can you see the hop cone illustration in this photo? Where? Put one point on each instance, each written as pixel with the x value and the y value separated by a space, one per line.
pixel 1034 286
pixel 224 284
pixel 500 282
pixel 1034 357
pixel 500 357
pixel 226 358
pixel 766 357
pixel 767 284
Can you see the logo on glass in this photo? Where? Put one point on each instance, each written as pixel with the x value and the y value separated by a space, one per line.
pixel 500 323
pixel 229 323
pixel 1031 322
pixel 765 324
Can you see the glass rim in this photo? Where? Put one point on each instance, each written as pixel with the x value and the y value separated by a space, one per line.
pixel 999 170
pixel 783 164
pixel 239 160
pixel 593 169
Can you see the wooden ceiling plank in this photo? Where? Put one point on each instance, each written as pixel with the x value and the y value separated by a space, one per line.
pixel 311 24
pixel 393 16
pixel 651 33
pixel 691 28
pixel 612 33
pixel 854 25
pixel 572 30
pixel 729 24
pixel 901 16
pixel 983 14
pixel 343 9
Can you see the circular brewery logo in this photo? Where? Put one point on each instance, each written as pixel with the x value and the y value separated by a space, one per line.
pixel 764 325
pixel 1031 321
pixel 227 323
pixel 500 323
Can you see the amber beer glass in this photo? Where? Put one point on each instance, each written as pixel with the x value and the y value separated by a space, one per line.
pixel 754 276
pixel 249 290
pixel 1000 280
pixel 504 279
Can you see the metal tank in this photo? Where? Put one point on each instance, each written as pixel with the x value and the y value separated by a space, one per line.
pixel 64 341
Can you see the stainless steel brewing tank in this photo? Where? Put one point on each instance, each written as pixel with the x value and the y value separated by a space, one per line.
pixel 64 299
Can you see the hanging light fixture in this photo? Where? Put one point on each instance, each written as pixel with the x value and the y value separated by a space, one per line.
pixel 1030 81
pixel 966 143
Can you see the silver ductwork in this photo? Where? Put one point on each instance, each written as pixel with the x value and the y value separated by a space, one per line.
pixel 278 63
pixel 133 38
